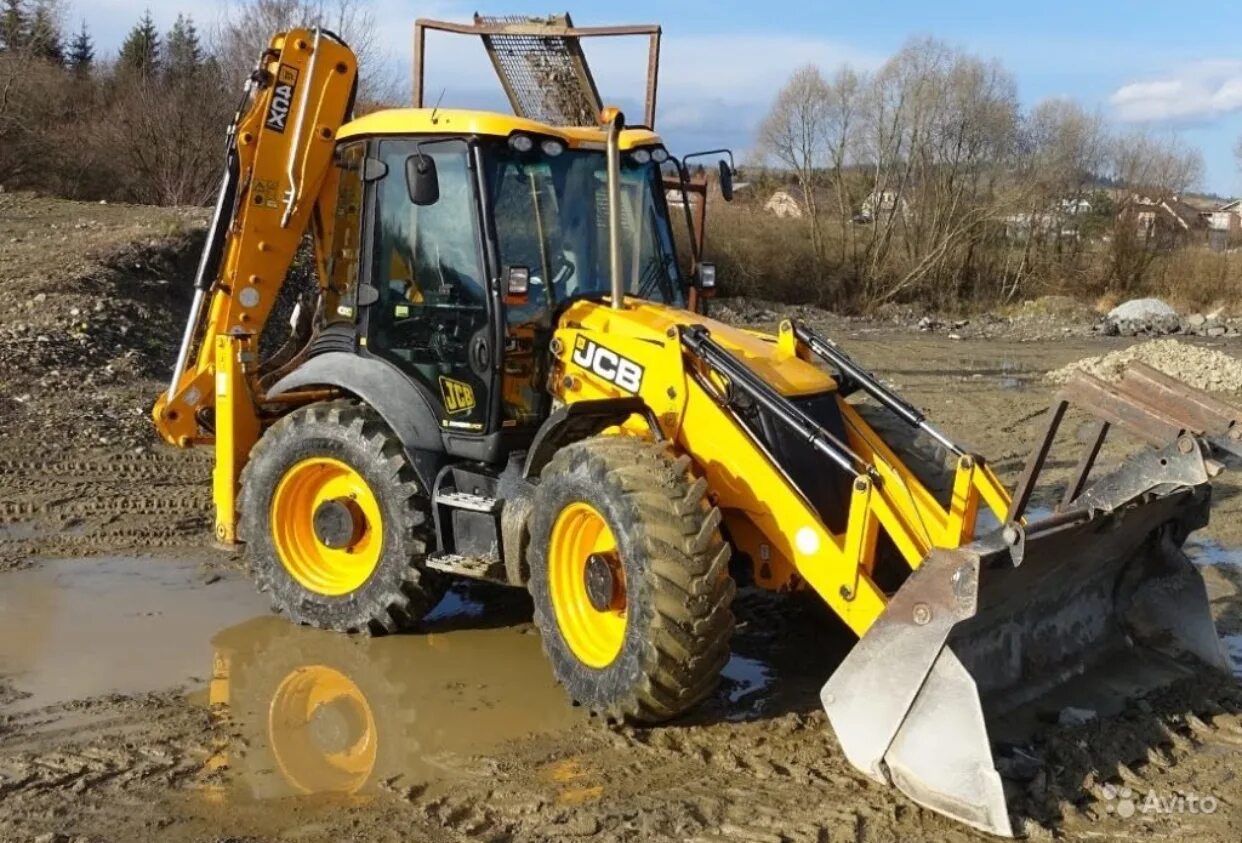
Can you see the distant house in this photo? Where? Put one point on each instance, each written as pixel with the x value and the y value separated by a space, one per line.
pixel 1165 221
pixel 882 204
pixel 1224 225
pixel 677 200
pixel 1226 218
pixel 1064 220
pixel 1074 207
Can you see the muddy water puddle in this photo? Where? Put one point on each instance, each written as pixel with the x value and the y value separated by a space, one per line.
pixel 305 711
pixel 1209 552
pixel 1233 646
pixel 317 712
pixel 73 629
pixel 749 681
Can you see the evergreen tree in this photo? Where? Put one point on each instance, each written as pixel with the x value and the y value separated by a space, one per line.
pixel 183 53
pixel 46 41
pixel 81 52
pixel 14 25
pixel 141 51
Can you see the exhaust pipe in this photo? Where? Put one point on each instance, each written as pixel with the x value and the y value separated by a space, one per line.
pixel 616 122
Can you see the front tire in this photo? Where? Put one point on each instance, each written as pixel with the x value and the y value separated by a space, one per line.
pixel 335 523
pixel 629 579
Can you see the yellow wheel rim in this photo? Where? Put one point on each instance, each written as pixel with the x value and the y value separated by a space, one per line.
pixel 594 635
pixel 316 566
pixel 322 732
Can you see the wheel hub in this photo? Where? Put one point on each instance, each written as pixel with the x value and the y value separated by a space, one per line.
pixel 601 584
pixel 336 725
pixel 339 522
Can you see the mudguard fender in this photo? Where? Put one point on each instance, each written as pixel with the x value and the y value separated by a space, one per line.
pixel 400 402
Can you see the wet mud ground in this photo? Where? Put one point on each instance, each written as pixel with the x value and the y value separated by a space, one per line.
pixel 147 695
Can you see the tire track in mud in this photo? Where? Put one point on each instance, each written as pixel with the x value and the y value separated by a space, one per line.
pixel 783 779
pixel 95 504
pixel 778 780
pixel 103 777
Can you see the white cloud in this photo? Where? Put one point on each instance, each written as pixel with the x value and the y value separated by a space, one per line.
pixel 1198 91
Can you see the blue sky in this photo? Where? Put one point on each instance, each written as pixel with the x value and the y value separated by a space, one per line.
pixel 1174 67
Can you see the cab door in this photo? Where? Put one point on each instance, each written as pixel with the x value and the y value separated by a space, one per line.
pixel 527 219
pixel 431 315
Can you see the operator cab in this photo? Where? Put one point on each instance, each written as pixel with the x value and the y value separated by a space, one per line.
pixel 460 235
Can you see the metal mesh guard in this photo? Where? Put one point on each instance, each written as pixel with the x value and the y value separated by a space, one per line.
pixel 545 75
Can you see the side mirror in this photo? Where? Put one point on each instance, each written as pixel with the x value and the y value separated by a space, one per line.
pixel 421 179
pixel 726 181
pixel 517 284
pixel 707 278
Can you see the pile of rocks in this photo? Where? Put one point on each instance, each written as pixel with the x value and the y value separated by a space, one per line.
pixel 1211 325
pixel 1154 317
pixel 1202 368
pixel 1141 317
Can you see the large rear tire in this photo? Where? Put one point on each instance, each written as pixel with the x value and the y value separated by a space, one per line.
pixel 629 579
pixel 335 524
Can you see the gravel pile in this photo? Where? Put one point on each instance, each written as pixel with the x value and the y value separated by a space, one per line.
pixel 1142 316
pixel 1202 368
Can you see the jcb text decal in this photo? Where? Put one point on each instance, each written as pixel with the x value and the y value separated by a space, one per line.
pixel 282 98
pixel 458 396
pixel 609 365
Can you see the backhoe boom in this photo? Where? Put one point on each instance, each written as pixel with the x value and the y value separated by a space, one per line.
pixel 278 161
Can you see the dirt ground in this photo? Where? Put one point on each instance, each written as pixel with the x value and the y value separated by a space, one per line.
pixel 146 695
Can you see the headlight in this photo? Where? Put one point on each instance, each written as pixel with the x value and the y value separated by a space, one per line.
pixel 640 156
pixel 659 155
pixel 521 143
pixel 552 147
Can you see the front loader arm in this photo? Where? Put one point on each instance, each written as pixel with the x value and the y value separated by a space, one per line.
pixel 695 382
pixel 279 159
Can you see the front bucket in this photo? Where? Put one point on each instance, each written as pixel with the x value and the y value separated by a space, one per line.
pixel 1087 608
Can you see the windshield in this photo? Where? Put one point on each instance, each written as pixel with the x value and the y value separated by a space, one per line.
pixel 551 216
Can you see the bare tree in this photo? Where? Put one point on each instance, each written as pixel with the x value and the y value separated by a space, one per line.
pixel 843 115
pixel 1063 150
pixel 1158 165
pixel 169 134
pixel 1152 168
pixel 35 102
pixel 247 25
pixel 794 133
pixel 939 129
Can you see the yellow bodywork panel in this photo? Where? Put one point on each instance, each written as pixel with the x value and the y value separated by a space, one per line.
pixel 452 121
pixel 601 352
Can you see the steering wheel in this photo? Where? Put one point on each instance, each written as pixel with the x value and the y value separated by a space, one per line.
pixel 433 337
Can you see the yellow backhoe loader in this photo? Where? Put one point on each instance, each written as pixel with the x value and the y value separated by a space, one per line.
pixel 501 378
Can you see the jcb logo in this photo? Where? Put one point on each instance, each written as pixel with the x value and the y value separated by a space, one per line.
pixel 282 99
pixel 458 396
pixel 609 365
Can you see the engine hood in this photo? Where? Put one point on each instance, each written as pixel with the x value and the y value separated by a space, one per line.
pixel 760 352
